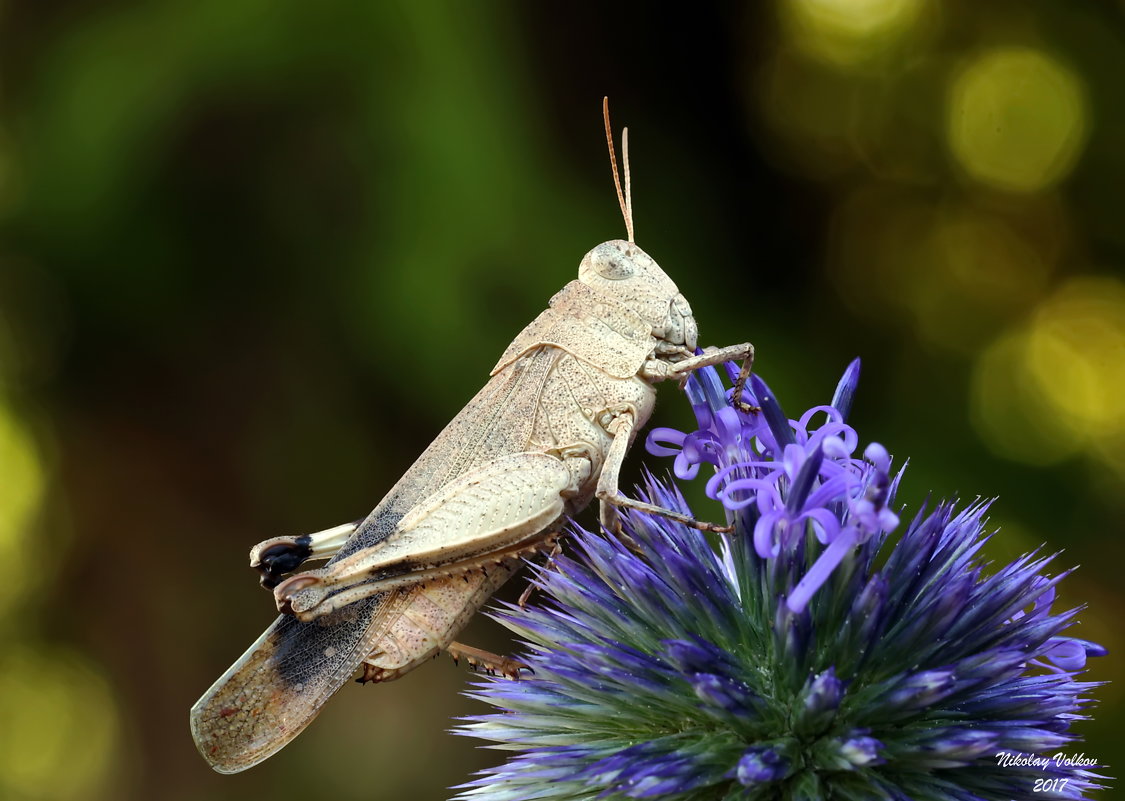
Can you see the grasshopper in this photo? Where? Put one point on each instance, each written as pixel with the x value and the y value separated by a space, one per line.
pixel 547 434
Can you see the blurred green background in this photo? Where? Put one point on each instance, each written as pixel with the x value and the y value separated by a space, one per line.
pixel 254 254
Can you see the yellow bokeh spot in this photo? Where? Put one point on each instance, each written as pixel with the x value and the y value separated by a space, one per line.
pixel 848 32
pixel 21 490
pixel 59 729
pixel 1076 354
pixel 1007 408
pixel 1054 387
pixel 1017 119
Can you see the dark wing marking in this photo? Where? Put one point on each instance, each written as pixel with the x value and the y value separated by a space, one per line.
pixel 277 687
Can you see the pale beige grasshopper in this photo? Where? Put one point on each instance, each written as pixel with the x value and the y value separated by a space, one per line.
pixel 546 435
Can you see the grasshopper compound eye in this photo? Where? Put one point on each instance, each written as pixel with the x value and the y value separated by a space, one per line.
pixel 611 261
pixel 613 266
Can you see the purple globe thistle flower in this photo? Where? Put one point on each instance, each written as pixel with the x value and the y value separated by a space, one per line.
pixel 809 654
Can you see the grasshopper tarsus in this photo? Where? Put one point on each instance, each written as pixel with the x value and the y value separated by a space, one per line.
pixel 525 596
pixel 486 661
pixel 679 517
pixel 740 385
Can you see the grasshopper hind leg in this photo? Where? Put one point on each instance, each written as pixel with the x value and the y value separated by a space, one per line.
pixel 425 619
pixel 273 558
pixel 475 658
pixel 491 516
pixel 487 661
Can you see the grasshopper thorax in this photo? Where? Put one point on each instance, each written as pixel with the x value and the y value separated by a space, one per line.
pixel 622 311
pixel 627 276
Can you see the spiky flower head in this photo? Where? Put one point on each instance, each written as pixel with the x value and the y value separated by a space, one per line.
pixel 821 650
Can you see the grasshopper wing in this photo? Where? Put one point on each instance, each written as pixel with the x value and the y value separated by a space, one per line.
pixel 278 686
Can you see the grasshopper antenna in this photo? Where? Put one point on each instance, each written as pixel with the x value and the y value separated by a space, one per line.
pixel 624 199
pixel 628 187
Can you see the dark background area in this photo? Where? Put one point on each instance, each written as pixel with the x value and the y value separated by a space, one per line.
pixel 253 256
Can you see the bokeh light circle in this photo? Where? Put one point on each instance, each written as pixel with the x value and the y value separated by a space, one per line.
pixel 1053 388
pixel 1076 353
pixel 1017 119
pixel 1007 409
pixel 21 491
pixel 848 32
pixel 61 725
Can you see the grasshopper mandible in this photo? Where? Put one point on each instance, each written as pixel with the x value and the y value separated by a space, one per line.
pixel 547 434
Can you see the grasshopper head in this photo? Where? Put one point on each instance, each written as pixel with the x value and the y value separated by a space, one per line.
pixel 627 276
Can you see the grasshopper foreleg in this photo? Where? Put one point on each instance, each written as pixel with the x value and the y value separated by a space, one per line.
pixel 275 557
pixel 661 369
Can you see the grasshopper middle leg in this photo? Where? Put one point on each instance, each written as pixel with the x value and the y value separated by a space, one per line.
pixel 609 493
